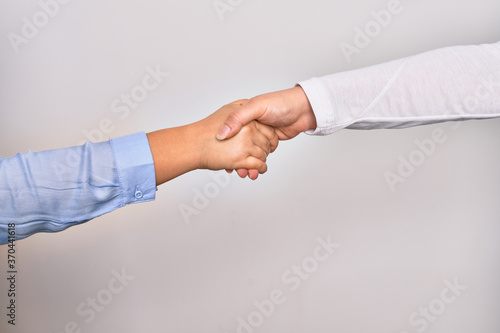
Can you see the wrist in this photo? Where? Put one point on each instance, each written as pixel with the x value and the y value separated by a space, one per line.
pixel 304 108
pixel 198 145
pixel 175 151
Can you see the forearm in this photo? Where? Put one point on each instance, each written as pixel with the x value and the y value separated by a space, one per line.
pixel 455 83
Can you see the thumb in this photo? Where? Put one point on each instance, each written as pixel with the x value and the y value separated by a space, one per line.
pixel 239 118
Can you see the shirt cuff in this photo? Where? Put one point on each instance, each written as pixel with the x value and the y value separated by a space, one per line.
pixel 135 167
pixel 322 108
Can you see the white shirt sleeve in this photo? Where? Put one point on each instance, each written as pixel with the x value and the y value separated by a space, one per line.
pixel 453 83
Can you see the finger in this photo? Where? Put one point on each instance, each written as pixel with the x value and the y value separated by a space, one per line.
pixel 239 118
pixel 259 141
pixel 270 134
pixel 259 153
pixel 229 171
pixel 254 163
pixel 253 174
pixel 242 172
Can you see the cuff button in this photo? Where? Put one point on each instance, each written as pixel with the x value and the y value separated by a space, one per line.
pixel 138 194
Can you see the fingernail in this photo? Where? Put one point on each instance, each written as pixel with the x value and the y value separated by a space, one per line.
pixel 224 130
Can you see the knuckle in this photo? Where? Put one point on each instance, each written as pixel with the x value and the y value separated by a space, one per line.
pixel 240 102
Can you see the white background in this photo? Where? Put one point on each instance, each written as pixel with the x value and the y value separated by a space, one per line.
pixel 396 248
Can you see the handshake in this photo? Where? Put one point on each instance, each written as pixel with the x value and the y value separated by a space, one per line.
pixel 239 136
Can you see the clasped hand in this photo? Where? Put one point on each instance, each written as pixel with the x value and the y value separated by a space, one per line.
pixel 249 130
pixel 288 112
